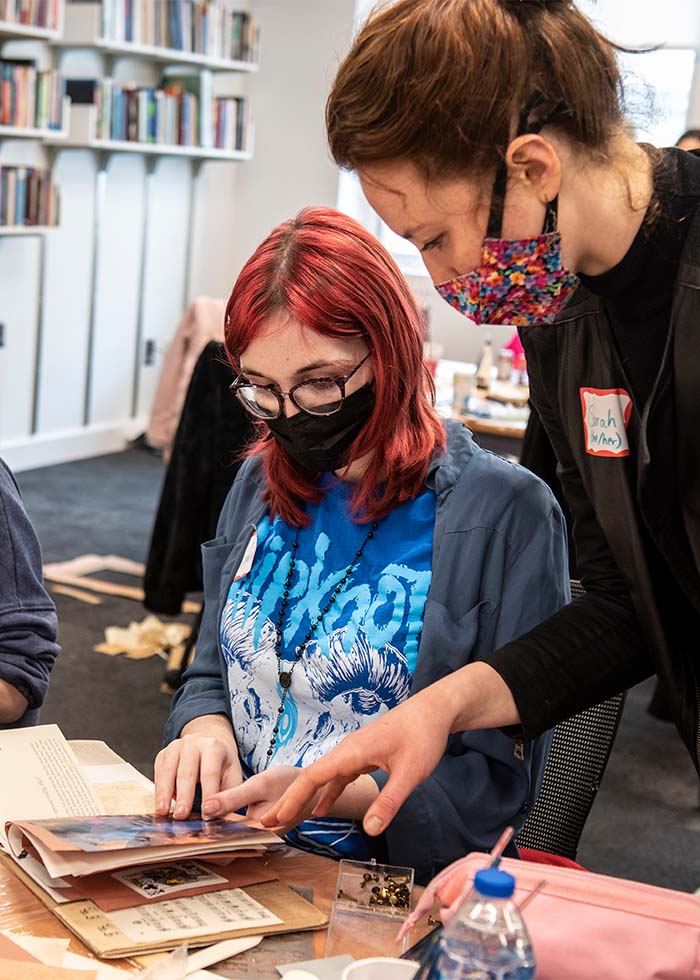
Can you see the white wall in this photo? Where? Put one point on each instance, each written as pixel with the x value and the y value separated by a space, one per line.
pixel 302 43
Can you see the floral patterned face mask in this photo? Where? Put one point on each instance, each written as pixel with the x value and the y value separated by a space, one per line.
pixel 518 281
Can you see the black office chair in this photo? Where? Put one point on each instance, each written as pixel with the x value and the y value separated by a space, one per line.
pixel 581 747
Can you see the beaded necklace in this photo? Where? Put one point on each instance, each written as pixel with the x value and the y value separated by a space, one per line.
pixel 285 676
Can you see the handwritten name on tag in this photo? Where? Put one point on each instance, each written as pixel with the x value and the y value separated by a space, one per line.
pixel 606 415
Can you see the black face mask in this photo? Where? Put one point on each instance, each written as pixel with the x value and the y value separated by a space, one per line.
pixel 320 442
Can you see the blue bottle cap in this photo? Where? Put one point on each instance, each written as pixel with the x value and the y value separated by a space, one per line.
pixel 494 883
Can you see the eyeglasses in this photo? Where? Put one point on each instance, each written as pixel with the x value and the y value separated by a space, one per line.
pixel 317 396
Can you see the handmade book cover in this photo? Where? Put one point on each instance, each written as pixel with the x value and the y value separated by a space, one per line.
pixel 72 811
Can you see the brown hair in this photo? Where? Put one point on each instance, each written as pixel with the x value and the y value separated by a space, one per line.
pixel 442 83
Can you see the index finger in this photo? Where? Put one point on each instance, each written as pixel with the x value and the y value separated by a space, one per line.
pixel 329 774
pixel 230 800
pixel 164 778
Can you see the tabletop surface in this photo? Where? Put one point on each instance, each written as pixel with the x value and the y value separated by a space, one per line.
pixel 21 911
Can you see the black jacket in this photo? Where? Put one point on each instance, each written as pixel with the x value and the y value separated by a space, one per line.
pixel 637 516
pixel 212 433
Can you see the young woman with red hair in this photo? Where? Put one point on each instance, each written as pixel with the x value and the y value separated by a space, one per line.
pixel 367 548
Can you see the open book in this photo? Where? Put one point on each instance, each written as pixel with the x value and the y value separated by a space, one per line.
pixel 76 828
pixel 87 845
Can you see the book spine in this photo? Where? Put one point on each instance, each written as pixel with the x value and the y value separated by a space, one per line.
pixel 11 195
pixel 132 116
pixel 5 95
pixel 21 207
pixel 205 108
pixel 142 115
pixel 152 109
pixel 3 196
pixel 31 216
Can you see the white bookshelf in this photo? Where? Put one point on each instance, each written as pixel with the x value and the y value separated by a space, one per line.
pixel 152 149
pixel 83 29
pixel 83 130
pixel 25 32
pixel 80 27
pixel 44 134
pixel 169 56
pixel 24 231
pixel 32 133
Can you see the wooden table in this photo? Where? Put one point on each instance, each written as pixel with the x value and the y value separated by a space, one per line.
pixel 22 912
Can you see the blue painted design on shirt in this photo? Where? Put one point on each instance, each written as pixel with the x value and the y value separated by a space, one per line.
pixel 361 659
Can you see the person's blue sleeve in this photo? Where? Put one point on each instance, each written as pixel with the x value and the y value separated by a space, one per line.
pixel 481 786
pixel 28 624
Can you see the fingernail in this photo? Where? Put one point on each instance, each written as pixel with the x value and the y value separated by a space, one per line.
pixel 180 811
pixel 373 826
pixel 211 808
pixel 161 806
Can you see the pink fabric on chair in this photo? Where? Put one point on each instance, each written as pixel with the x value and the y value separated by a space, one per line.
pixel 202 321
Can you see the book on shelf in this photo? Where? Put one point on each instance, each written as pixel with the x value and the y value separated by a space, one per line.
pixel 212 28
pixel 231 123
pixel 199 84
pixel 28 197
pixel 29 97
pixel 181 111
pixel 77 830
pixel 31 13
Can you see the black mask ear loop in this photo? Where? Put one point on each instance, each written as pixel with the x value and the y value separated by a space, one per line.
pixel 498 194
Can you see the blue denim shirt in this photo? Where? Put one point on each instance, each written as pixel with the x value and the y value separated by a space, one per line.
pixel 28 624
pixel 499 567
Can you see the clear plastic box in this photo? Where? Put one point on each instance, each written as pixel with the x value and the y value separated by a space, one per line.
pixel 371 902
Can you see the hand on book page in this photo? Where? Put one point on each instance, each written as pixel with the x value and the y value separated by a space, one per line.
pixel 205 753
pixel 256 795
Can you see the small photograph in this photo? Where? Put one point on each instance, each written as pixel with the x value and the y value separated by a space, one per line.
pixel 167 879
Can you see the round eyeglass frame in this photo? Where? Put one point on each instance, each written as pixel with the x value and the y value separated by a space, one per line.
pixel 280 395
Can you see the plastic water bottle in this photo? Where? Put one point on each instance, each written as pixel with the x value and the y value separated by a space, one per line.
pixel 486 939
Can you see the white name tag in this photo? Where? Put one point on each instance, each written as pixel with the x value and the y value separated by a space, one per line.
pixel 606 415
pixel 248 556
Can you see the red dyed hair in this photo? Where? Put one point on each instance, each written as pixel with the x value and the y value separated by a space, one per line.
pixel 330 274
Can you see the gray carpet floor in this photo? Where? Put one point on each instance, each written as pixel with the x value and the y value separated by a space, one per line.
pixel 645 823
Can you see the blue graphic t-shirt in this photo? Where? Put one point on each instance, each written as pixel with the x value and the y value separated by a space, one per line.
pixel 361 659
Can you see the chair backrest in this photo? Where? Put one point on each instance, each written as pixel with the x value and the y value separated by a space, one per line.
pixel 580 751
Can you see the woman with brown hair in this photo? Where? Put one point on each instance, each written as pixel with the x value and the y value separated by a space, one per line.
pixel 491 134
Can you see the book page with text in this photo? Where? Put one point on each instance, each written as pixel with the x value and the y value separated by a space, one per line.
pixel 41 778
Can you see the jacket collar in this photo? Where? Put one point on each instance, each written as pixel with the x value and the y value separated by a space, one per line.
pixel 447 465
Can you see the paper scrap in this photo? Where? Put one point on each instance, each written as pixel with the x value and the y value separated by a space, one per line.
pixel 80 594
pixel 47 951
pixel 149 638
pixel 74 961
pixel 10 950
pixel 15 970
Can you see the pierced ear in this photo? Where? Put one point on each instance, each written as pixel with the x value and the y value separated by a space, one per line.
pixel 532 159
